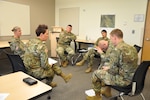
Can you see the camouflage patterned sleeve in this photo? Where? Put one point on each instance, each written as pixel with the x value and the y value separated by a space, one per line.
pixel 13 45
pixel 17 46
pixel 62 38
pixel 113 60
pixel 73 37
pixel 43 56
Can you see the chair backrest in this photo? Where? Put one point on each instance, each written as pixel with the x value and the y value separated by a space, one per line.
pixel 57 38
pixel 16 62
pixel 138 48
pixel 139 76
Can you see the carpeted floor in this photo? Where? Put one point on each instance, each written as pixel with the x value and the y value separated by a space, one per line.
pixel 75 88
pixel 81 81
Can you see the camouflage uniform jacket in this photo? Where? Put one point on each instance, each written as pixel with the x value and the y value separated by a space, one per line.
pixel 122 61
pixel 17 46
pixel 101 38
pixel 36 57
pixel 66 38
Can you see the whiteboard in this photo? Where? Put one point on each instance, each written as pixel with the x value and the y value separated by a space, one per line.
pixel 13 14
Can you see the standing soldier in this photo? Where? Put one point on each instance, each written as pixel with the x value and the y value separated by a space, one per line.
pixel 92 53
pixel 63 45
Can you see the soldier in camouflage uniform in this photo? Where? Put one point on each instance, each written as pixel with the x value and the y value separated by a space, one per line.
pixel 63 45
pixel 36 58
pixel 92 53
pixel 16 45
pixel 117 67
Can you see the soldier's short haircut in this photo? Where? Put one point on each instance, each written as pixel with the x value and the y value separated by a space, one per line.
pixel 41 29
pixel 117 32
pixel 70 25
pixel 104 31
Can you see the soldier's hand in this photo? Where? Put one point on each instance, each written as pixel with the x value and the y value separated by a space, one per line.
pixel 99 50
pixel 67 37
pixel 105 68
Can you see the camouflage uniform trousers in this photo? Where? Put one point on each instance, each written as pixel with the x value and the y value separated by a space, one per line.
pixel 100 78
pixel 89 56
pixel 61 52
pixel 49 73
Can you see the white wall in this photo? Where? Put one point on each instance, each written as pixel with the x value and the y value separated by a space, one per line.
pixel 91 10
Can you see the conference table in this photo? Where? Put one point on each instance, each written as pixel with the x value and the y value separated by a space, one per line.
pixel 13 85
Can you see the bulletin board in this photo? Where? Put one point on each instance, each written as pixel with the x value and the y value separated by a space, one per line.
pixel 14 14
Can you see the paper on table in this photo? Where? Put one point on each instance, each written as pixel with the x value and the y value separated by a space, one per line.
pixel 90 92
pixel 3 96
pixel 52 61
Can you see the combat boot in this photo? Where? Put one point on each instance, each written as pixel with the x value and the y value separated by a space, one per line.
pixel 53 84
pixel 88 70
pixel 106 91
pixel 80 63
pixel 65 63
pixel 96 97
pixel 66 77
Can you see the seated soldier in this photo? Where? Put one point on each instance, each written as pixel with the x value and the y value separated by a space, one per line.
pixel 117 67
pixel 63 45
pixel 16 45
pixel 93 52
pixel 36 58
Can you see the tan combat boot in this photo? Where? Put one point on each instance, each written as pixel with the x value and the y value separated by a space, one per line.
pixel 80 63
pixel 52 84
pixel 96 97
pixel 106 91
pixel 88 70
pixel 65 63
pixel 66 77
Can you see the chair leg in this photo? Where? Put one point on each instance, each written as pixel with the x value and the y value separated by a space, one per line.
pixel 48 97
pixel 142 96
pixel 121 98
pixel 116 97
pixel 80 54
pixel 59 61
pixel 121 95
pixel 72 63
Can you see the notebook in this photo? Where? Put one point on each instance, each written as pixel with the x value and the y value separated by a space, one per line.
pixel 52 61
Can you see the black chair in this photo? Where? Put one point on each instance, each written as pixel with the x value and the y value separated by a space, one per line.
pixel 18 65
pixel 16 62
pixel 137 85
pixel 138 48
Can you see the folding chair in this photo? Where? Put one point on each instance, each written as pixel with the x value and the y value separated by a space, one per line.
pixel 137 84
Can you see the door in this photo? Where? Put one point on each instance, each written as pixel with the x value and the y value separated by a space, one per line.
pixel 146 40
